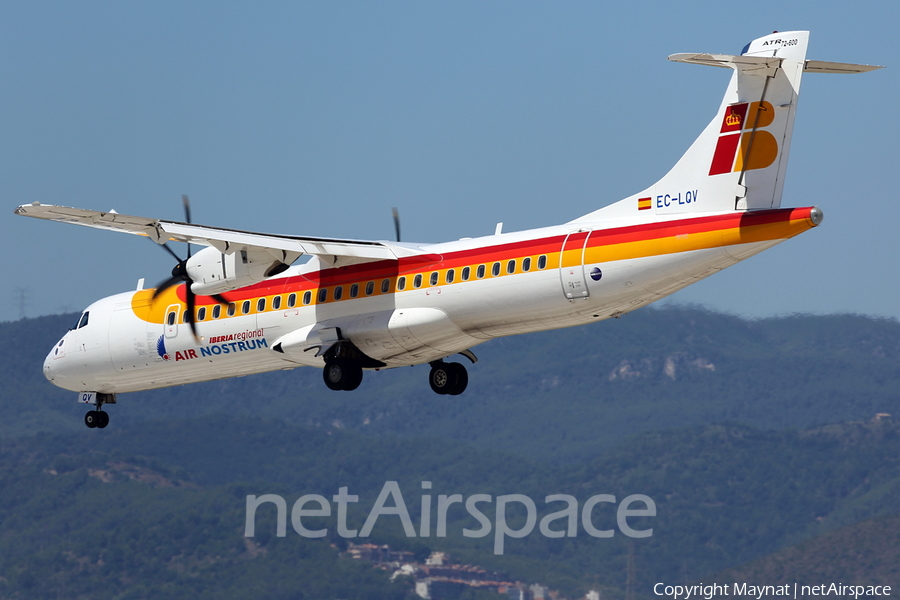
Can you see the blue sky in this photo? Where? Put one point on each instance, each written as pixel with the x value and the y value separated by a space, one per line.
pixel 317 118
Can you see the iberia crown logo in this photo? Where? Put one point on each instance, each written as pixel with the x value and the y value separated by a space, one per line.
pixel 734 152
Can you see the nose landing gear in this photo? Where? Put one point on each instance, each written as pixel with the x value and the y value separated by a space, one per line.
pixel 97 418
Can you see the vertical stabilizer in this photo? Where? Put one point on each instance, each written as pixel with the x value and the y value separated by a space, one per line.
pixel 739 161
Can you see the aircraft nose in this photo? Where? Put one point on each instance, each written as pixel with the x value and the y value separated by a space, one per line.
pixel 52 362
pixel 48 367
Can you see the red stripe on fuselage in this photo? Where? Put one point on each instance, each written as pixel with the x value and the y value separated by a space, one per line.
pixel 378 270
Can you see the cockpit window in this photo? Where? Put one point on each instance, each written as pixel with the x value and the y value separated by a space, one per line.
pixel 82 321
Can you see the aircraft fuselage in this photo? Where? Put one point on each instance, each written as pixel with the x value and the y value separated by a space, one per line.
pixel 413 311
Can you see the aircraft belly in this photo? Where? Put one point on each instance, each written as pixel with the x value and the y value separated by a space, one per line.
pixel 630 284
pixel 428 332
pixel 509 306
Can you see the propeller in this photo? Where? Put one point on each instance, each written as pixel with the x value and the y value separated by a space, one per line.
pixel 396 215
pixel 180 275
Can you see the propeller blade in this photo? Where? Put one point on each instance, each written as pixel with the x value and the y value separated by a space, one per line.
pixel 170 251
pixel 167 284
pixel 189 315
pixel 179 275
pixel 187 208
pixel 187 216
pixel 396 215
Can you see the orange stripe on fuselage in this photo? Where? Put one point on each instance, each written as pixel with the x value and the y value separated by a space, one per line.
pixel 604 245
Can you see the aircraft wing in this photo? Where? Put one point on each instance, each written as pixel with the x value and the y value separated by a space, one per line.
pixel 336 252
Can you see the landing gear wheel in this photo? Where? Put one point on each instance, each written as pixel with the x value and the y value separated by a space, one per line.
pixel 103 419
pixel 342 375
pixel 333 374
pixel 439 379
pixel 448 378
pixel 462 379
pixel 354 377
pixel 91 419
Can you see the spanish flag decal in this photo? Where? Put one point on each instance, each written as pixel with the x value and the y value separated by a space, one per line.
pixel 643 203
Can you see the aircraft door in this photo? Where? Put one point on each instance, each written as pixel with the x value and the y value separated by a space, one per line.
pixel 571 265
pixel 171 322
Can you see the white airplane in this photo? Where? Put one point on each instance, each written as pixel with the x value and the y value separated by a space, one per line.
pixel 238 307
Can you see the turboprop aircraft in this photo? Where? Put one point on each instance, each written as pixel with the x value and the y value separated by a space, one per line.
pixel 238 306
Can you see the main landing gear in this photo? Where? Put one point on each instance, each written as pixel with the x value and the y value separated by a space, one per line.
pixel 448 378
pixel 344 371
pixel 342 374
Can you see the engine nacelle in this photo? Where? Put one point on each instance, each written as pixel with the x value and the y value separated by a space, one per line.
pixel 213 272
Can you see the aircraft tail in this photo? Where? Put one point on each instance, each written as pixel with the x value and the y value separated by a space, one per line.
pixel 739 161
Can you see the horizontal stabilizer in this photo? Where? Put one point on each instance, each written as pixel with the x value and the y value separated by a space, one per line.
pixel 756 65
pixel 821 66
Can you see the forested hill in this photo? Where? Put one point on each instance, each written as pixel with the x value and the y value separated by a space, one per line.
pixel 158 509
pixel 553 396
pixel 752 437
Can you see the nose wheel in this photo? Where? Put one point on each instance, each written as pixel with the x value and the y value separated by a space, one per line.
pixel 448 378
pixel 97 418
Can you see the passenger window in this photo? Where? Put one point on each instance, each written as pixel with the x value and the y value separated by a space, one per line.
pixel 385 286
pixel 434 278
pixel 480 272
pixel 542 261
pixel 401 283
pixel 170 319
pixel 292 300
pixel 511 266
pixel 307 297
pixel 201 313
pixel 354 290
pixel 495 269
pixel 417 281
pixel 217 311
pixel 465 273
pixel 245 307
pixel 339 292
pixel 370 288
pixel 276 302
pixel 526 263
pixel 450 275
pixel 323 295
pixel 261 305
pixel 231 308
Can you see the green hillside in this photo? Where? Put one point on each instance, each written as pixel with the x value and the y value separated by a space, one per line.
pixel 751 437
pixel 159 508
pixel 866 553
pixel 560 395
